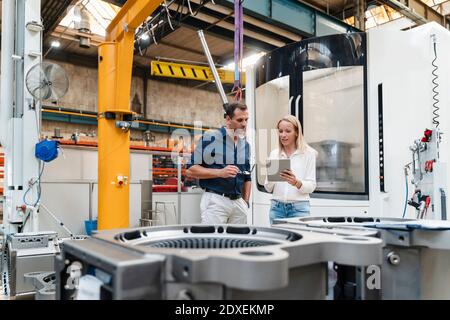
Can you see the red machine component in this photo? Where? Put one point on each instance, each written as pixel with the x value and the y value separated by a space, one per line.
pixel 426 135
pixel 429 165
pixel 427 202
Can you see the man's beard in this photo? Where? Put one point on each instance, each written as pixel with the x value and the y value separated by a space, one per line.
pixel 240 133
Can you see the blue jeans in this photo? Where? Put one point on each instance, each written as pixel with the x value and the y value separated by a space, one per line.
pixel 280 210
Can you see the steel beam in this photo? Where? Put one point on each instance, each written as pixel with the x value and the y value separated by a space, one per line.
pixel 131 16
pixel 182 48
pixel 254 21
pixel 360 14
pixel 73 35
pixel 53 12
pixel 269 11
pixel 417 11
pixel 226 34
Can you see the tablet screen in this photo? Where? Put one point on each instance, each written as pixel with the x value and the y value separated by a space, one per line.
pixel 275 167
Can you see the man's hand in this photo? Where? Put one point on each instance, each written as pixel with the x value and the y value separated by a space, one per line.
pixel 228 172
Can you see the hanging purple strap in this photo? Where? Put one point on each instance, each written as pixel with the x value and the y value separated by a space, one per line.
pixel 238 43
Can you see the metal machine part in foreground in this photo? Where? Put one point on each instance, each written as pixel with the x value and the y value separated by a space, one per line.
pixel 44 282
pixel 24 253
pixel 416 253
pixel 208 262
pixel 28 264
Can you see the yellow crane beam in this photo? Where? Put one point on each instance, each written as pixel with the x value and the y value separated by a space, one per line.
pixel 114 85
pixel 189 71
pixel 131 16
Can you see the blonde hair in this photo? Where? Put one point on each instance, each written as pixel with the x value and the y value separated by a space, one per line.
pixel 300 143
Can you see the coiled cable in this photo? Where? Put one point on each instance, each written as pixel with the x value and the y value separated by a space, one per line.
pixel 435 86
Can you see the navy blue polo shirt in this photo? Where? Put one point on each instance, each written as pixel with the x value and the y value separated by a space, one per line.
pixel 217 150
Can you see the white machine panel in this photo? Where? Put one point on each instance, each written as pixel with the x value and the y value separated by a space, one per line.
pixel 407 105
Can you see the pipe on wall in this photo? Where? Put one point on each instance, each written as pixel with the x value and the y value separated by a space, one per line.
pixel 7 68
pixel 145 99
pixel 94 116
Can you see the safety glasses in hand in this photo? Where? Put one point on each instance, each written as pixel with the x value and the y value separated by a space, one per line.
pixel 247 173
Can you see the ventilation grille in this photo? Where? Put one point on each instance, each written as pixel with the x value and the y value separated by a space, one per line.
pixel 210 243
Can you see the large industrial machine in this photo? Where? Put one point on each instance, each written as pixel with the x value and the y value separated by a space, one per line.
pixel 416 255
pixel 209 262
pixel 375 113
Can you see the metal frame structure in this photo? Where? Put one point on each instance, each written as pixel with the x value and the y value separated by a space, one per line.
pixel 19 112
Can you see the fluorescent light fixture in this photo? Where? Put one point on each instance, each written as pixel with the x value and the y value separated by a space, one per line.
pixel 55 44
pixel 246 62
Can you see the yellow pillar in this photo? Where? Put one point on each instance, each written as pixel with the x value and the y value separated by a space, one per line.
pixel 114 143
pixel 114 86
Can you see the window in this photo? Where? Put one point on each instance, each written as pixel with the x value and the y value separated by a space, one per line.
pixel 333 124
pixel 272 103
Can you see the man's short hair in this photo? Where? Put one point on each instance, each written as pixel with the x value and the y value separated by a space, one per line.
pixel 229 110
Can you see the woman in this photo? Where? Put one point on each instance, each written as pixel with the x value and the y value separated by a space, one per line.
pixel 291 197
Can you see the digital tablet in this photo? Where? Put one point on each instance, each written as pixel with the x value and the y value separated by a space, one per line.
pixel 275 167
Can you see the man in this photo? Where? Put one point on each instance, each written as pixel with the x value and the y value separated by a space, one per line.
pixel 221 161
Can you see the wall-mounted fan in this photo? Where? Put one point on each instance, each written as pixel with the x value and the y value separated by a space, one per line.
pixel 47 80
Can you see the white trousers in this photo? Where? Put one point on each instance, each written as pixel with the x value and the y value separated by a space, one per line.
pixel 217 209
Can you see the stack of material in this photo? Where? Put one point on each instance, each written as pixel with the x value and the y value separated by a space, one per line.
pixel 163 169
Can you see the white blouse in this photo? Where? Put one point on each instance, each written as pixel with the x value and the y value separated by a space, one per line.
pixel 303 165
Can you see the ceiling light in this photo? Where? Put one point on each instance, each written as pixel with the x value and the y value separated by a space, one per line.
pixel 55 44
pixel 246 62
